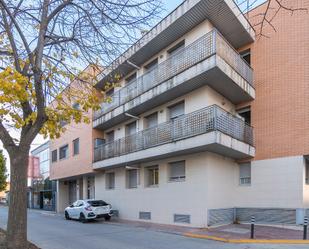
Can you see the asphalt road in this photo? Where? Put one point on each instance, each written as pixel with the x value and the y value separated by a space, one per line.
pixel 50 231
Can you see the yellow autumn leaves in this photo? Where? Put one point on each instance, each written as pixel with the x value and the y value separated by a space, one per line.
pixel 16 89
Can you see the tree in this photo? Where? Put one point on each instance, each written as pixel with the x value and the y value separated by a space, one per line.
pixel 43 45
pixel 268 13
pixel 3 174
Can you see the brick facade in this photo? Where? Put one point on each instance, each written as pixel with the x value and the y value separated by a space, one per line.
pixel 280 112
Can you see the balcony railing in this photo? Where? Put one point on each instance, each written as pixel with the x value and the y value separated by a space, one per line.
pixel 206 46
pixel 212 118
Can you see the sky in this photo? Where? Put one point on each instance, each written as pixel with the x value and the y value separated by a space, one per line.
pixel 168 6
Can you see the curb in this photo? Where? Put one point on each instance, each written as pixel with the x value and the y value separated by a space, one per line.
pixel 246 241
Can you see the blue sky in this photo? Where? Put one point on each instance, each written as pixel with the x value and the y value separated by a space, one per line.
pixel 168 5
pixel 171 4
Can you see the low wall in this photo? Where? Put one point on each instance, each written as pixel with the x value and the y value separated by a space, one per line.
pixel 276 216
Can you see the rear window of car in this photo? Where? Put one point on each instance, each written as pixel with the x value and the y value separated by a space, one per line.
pixel 97 203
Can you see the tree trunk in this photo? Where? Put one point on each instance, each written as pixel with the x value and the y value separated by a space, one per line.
pixel 17 219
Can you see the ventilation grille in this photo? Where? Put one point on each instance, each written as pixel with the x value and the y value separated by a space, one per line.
pixel 145 215
pixel 182 218
pixel 267 215
pixel 220 216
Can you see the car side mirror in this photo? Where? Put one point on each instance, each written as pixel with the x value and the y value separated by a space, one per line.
pixel 71 206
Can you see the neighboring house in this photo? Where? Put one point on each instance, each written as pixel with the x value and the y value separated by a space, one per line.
pixel 43 190
pixel 176 145
pixel 71 160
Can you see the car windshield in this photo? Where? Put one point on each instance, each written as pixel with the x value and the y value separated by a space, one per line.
pixel 97 203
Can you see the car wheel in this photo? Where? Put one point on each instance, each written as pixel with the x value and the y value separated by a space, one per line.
pixel 107 218
pixel 66 215
pixel 82 218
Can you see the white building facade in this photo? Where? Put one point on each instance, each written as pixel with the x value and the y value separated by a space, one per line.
pixel 175 145
pixel 172 135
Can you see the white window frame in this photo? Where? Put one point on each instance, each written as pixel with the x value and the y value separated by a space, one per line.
pixel 149 182
pixel 246 179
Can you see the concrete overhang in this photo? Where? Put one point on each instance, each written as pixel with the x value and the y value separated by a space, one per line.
pixel 223 14
pixel 213 71
pixel 214 141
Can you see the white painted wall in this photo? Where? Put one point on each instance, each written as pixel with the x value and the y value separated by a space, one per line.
pixel 187 197
pixel 195 100
pixel 212 181
pixel 274 183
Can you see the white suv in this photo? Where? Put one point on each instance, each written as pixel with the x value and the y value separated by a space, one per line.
pixel 84 210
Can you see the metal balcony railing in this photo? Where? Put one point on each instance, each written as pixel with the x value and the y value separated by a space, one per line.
pixel 204 47
pixel 199 122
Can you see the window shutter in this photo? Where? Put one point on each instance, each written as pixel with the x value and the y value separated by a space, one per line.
pixel 131 128
pixel 244 170
pixel 152 120
pixel 177 110
pixel 245 174
pixel 177 170
pixel 132 175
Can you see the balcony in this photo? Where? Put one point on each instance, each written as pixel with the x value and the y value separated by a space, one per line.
pixel 210 60
pixel 209 129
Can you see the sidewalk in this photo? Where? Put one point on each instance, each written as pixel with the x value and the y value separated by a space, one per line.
pixel 233 233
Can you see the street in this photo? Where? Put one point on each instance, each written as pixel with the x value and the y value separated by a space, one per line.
pixel 50 231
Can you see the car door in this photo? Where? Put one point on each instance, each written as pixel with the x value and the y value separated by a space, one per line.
pixel 79 208
pixel 72 210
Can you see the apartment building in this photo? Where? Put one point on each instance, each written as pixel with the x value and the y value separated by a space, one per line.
pixel 43 190
pixel 202 128
pixel 71 158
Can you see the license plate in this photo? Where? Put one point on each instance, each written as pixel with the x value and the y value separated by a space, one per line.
pixel 101 210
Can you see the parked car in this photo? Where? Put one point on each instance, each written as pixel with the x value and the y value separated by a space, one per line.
pixel 85 210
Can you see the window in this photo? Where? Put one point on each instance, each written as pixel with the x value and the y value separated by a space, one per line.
pixel 245 173
pixel 63 123
pixel 110 92
pixel 307 171
pixel 177 171
pixel 76 106
pixel 76 146
pixel 98 142
pixel 90 188
pixel 179 46
pixel 151 65
pixel 110 180
pixel 152 176
pixel 246 55
pixel 54 156
pixel 63 152
pixel 177 110
pixel 109 137
pixel 130 79
pixel 151 120
pixel 245 113
pixel 131 128
pixel 132 178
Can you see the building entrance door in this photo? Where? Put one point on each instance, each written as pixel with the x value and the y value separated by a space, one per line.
pixel 41 200
pixel 72 192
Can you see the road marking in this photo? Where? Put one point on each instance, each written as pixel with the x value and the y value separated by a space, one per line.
pixel 246 241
